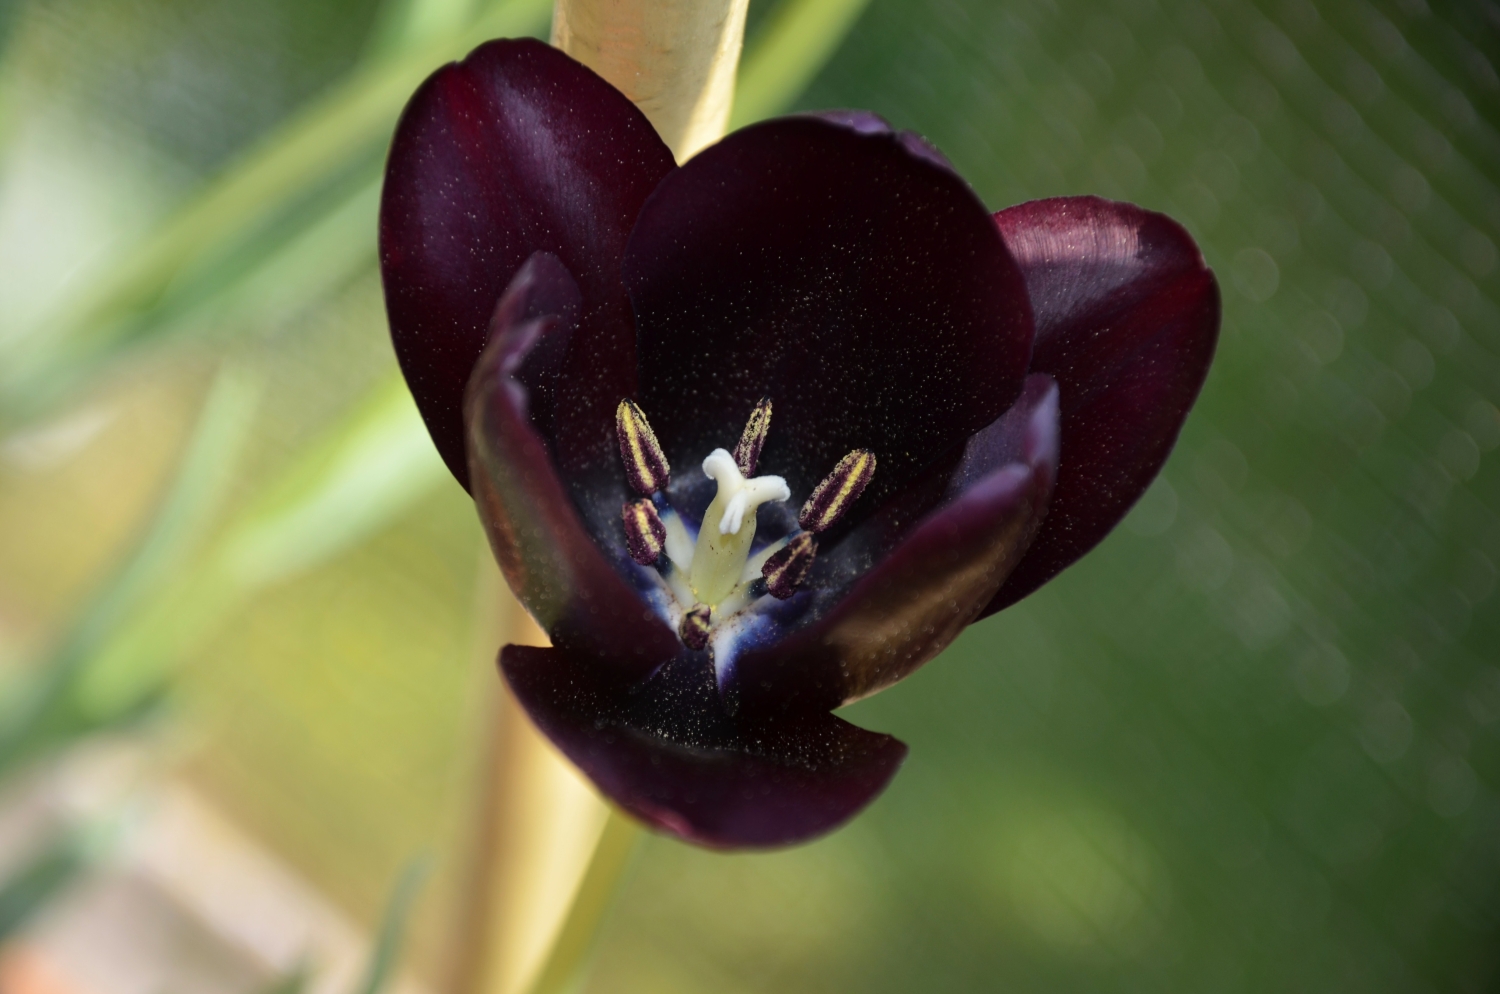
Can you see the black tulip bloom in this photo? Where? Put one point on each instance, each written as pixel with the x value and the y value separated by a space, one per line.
pixel 758 435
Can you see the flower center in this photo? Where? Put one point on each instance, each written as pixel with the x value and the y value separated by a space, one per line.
pixel 714 578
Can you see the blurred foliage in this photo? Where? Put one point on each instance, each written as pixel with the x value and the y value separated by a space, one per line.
pixel 310 188
pixel 294 983
pixel 787 48
pixel 40 879
pixel 392 933
pixel 46 713
pixel 1249 744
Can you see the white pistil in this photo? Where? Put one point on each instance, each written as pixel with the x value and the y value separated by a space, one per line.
pixel 724 541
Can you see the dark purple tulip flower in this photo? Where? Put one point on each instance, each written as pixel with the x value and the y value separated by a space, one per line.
pixel 758 435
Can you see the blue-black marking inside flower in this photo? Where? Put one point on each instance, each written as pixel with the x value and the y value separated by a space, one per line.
pixel 659 381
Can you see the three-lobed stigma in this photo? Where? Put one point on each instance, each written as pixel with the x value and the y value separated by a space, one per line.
pixel 728 528
pixel 713 578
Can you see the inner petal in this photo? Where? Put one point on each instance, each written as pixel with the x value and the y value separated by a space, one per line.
pixel 865 284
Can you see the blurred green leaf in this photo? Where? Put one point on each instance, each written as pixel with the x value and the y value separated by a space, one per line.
pixel 348 126
pixel 301 252
pixel 292 983
pixel 375 465
pixel 10 16
pixel 359 477
pixel 37 882
pixel 56 721
pixel 310 243
pixel 203 476
pixel 406 24
pixel 43 876
pixel 797 41
pixel 388 942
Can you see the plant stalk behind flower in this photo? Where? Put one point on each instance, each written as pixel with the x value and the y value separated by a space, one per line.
pixel 675 59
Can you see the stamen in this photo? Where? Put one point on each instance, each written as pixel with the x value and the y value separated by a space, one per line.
pixel 747 453
pixel 785 571
pixel 645 535
pixel 645 463
pixel 716 574
pixel 694 630
pixel 841 489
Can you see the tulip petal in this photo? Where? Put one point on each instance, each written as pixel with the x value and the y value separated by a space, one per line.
pixel 827 263
pixel 1127 318
pixel 514 150
pixel 918 596
pixel 568 583
pixel 668 756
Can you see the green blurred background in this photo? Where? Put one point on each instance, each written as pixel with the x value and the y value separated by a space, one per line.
pixel 1249 744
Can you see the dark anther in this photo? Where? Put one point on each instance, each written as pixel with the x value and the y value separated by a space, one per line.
pixel 645 535
pixel 645 463
pixel 747 453
pixel 841 489
pixel 694 630
pixel 787 568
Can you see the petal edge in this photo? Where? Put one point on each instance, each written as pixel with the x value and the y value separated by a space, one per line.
pixel 916 599
pixel 761 786
pixel 1127 320
pixel 546 554
pixel 516 149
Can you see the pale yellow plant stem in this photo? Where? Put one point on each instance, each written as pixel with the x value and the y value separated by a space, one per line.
pixel 676 59
pixel 547 852
pixel 539 823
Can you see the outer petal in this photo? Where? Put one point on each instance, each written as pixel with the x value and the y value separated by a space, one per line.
pixel 1127 318
pixel 860 283
pixel 547 556
pixel 918 597
pixel 710 782
pixel 515 150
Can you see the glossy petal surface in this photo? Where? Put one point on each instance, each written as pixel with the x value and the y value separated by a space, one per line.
pixel 565 580
pixel 514 150
pixel 667 756
pixel 1127 318
pixel 859 285
pixel 918 596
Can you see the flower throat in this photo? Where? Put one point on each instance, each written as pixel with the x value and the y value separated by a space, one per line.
pixel 715 577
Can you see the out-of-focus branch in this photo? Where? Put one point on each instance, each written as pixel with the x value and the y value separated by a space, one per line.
pixel 538 829
pixel 676 59
pixel 193 252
